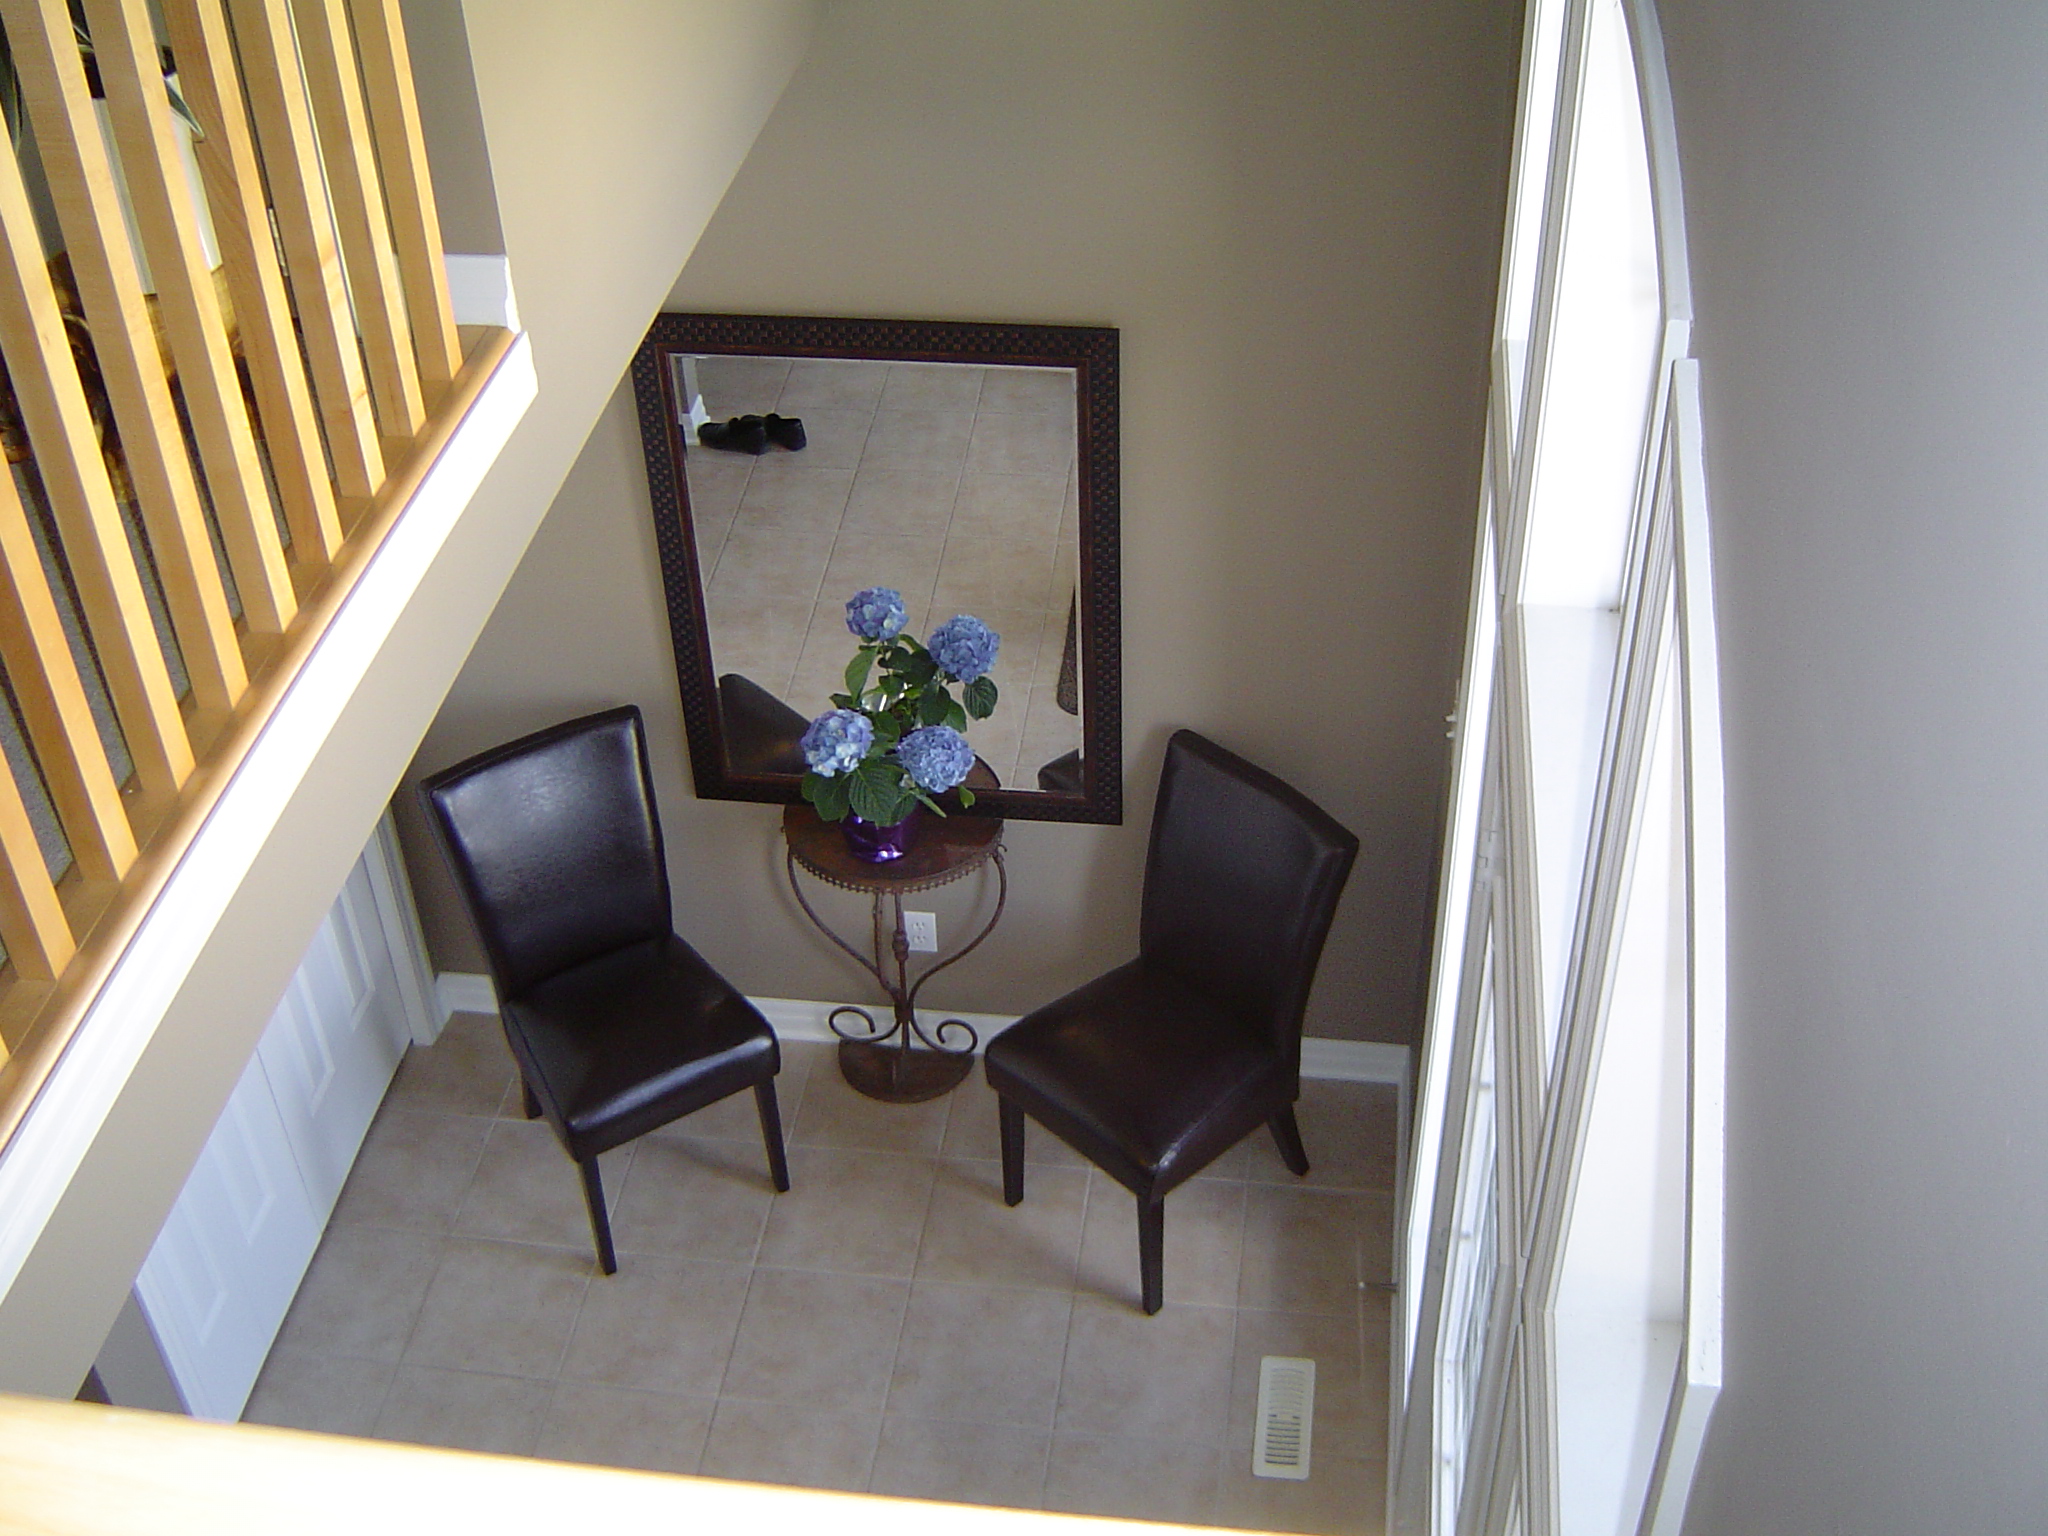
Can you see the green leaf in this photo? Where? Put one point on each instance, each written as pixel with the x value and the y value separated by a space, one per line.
pixel 929 803
pixel 831 799
pixel 887 730
pixel 857 671
pixel 933 707
pixel 966 797
pixel 981 697
pixel 842 701
pixel 956 717
pixel 875 792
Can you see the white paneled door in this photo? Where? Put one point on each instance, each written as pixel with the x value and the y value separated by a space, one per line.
pixel 230 1256
pixel 335 1040
pixel 232 1252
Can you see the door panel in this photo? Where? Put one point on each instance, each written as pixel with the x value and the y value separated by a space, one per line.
pixel 230 1256
pixel 335 1040
pixel 229 1260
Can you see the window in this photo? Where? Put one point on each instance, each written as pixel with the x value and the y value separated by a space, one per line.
pixel 1560 1325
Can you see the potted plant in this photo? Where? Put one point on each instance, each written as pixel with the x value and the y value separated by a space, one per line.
pixel 892 741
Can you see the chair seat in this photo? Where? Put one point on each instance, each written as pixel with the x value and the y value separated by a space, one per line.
pixel 622 1044
pixel 1147 1078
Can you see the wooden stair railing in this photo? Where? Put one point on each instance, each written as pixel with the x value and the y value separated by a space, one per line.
pixel 203 449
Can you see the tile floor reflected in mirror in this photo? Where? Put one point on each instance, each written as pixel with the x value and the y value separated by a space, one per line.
pixel 888 1325
pixel 956 485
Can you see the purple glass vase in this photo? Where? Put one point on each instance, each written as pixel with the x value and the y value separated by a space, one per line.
pixel 878 845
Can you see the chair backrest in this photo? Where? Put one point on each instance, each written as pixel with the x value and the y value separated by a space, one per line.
pixel 1240 885
pixel 555 842
pixel 762 734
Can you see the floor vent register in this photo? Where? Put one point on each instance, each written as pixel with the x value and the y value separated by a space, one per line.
pixel 1287 1415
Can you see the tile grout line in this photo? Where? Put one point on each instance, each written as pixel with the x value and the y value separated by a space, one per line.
pixel 1222 1458
pixel 1067 1344
pixel 440 1259
pixel 719 1397
pixel 1351 1318
pixel 838 532
pixel 937 1158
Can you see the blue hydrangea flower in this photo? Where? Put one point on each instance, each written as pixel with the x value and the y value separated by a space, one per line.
pixel 837 740
pixel 964 647
pixel 936 756
pixel 876 613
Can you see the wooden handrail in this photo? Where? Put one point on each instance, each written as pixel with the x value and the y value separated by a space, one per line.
pixel 151 613
pixel 70 1469
pixel 42 1025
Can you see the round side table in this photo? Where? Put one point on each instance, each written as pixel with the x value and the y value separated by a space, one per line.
pixel 886 1063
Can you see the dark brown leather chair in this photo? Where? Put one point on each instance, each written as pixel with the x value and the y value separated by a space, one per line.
pixel 617 1025
pixel 1154 1070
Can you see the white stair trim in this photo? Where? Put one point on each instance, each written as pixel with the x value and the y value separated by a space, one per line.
pixel 480 291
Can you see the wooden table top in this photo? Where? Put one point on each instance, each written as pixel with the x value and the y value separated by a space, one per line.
pixel 943 848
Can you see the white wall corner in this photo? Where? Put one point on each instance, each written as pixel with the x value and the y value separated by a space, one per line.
pixel 480 291
pixel 400 920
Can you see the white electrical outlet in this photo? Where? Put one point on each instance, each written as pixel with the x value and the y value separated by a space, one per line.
pixel 922 929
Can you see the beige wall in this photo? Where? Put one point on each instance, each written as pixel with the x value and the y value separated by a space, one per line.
pixel 1868 206
pixel 649 105
pixel 451 118
pixel 1292 212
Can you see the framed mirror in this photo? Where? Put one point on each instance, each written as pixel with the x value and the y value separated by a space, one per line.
pixel 970 467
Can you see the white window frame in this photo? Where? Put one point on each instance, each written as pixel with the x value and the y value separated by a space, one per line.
pixel 1506 1475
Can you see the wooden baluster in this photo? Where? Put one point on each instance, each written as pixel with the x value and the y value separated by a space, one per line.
pixel 81 181
pixel 284 133
pixel 74 475
pixel 241 223
pixel 408 190
pixel 125 46
pixel 47 686
pixel 353 183
pixel 32 921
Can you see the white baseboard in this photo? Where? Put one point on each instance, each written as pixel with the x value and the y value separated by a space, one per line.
pixel 1344 1061
pixel 480 291
pixel 464 992
pixel 1354 1061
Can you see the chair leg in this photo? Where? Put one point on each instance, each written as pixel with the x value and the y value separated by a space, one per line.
pixel 532 1104
pixel 600 1224
pixel 771 1134
pixel 1011 1118
pixel 1288 1136
pixel 1151 1253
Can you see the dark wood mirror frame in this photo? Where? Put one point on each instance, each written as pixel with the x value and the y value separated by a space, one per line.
pixel 1092 352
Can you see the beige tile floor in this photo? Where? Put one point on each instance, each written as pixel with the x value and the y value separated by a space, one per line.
pixel 953 484
pixel 889 1324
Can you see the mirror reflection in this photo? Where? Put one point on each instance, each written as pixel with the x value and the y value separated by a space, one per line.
pixel 954 483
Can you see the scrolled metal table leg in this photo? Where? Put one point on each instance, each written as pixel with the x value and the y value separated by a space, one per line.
pixel 885 1062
